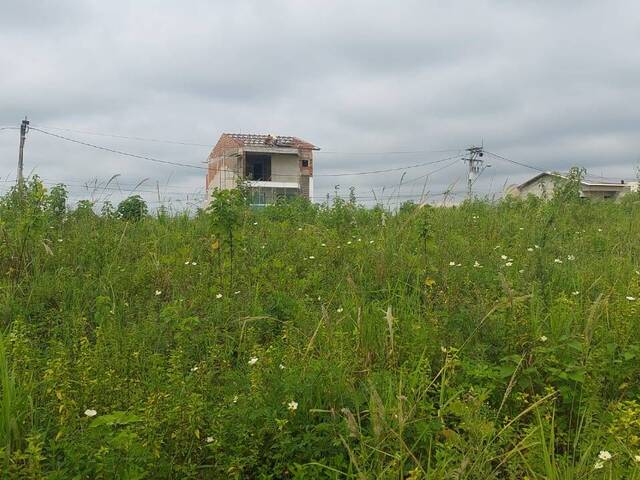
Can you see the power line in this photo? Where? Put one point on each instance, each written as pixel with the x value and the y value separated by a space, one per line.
pixel 457 157
pixel 208 145
pixel 385 170
pixel 126 137
pixel 515 162
pixel 391 152
pixel 152 159
pixel 118 152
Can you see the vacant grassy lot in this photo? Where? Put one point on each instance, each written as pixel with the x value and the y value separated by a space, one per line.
pixel 476 342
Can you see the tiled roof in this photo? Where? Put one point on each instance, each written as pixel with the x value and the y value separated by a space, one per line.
pixel 253 140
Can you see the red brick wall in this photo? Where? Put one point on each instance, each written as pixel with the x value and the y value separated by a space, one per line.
pixel 224 144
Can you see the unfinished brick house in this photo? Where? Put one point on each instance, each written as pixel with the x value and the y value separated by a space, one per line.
pixel 272 166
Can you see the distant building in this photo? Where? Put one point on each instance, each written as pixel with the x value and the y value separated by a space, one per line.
pixel 543 185
pixel 272 166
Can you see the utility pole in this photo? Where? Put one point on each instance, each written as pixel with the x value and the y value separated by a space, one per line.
pixel 475 161
pixel 24 128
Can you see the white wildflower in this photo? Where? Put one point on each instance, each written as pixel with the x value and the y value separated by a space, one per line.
pixel 571 258
pixel 311 257
pixel 195 368
pixel 187 262
pixel 209 439
pixel 323 244
pixel 631 299
pixel 218 296
pixel 529 249
pixel 253 360
pixel 90 412
pixel 349 242
pixel 340 310
pixel 281 367
pixel 371 241
pixel 158 292
pixel 255 223
pixel 543 338
pixel 235 399
pixel 504 257
pixel 237 292
pixel 598 465
pixel 452 264
pixel 557 260
pixel 292 405
pixel 604 455
pixel 194 263
pixel 536 246
pixel 476 264
pixel 508 264
pixel 636 458
pixel 576 292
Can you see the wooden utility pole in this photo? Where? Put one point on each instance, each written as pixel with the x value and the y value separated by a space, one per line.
pixel 23 136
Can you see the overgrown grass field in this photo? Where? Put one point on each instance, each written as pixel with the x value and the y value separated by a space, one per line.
pixel 300 341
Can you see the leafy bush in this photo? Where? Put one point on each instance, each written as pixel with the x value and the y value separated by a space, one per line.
pixel 132 208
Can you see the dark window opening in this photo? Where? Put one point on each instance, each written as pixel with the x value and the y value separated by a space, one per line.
pixel 257 167
pixel 305 163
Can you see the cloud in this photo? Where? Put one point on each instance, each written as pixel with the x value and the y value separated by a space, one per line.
pixel 551 84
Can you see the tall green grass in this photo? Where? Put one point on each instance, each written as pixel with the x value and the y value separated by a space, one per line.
pixel 320 341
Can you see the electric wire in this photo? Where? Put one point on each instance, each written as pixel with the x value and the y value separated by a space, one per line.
pixel 118 152
pixel 195 144
pixel 152 159
pixel 515 162
pixel 126 137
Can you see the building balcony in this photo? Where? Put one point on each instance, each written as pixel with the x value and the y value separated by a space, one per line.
pixel 271 184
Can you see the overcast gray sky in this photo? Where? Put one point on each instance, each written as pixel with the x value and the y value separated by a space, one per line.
pixel 549 84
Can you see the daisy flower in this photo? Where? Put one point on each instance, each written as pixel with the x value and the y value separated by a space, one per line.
pixel 604 455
